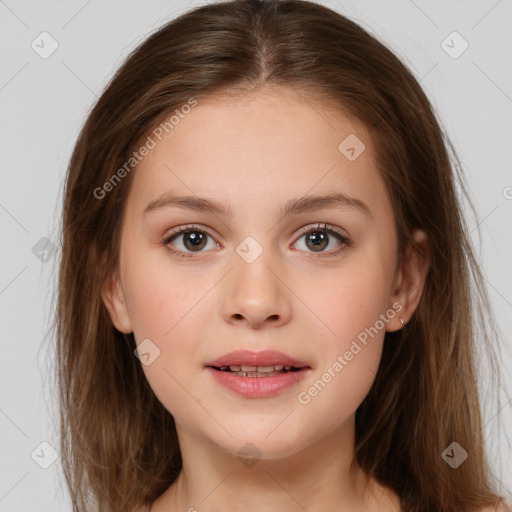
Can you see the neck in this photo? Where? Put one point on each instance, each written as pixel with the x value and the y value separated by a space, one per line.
pixel 317 477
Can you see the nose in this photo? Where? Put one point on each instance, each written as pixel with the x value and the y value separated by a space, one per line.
pixel 256 294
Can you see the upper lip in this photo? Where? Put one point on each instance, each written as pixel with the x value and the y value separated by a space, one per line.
pixel 255 358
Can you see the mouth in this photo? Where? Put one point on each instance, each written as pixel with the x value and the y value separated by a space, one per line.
pixel 258 371
pixel 257 374
pixel 264 363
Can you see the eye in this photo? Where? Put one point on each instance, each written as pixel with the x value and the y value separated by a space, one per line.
pixel 320 237
pixel 193 239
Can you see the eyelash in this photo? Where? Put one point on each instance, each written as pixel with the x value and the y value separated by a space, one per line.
pixel 326 228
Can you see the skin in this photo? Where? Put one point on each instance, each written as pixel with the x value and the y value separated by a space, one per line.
pixel 254 152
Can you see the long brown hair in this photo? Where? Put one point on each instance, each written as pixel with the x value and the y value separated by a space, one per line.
pixel 118 443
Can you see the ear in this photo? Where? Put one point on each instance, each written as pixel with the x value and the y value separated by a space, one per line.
pixel 410 280
pixel 114 299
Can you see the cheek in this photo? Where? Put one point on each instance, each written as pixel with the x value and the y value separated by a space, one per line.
pixel 166 308
pixel 345 301
pixel 348 363
pixel 162 297
pixel 349 335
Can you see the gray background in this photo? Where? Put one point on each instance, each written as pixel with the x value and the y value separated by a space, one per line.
pixel 43 103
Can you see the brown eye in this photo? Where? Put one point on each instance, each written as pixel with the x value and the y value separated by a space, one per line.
pixel 188 240
pixel 317 240
pixel 321 238
pixel 194 240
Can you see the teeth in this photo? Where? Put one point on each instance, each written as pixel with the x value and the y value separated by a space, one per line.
pixel 266 369
pixel 259 369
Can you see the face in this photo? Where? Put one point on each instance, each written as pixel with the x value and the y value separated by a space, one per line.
pixel 316 280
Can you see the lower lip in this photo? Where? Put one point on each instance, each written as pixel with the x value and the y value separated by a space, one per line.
pixel 258 387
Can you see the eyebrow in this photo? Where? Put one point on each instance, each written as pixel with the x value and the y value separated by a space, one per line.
pixel 293 206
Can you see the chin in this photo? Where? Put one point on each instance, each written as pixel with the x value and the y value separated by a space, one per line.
pixel 257 444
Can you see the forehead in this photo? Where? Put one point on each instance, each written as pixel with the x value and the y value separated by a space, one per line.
pixel 260 145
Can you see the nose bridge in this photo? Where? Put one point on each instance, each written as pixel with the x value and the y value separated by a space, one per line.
pixel 256 291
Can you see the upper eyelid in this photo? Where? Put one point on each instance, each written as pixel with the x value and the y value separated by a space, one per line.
pixel 321 226
pixel 188 227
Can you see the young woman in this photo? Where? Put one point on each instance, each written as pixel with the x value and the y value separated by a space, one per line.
pixel 267 291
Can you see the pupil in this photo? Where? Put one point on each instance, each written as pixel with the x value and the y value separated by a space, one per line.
pixel 196 239
pixel 319 239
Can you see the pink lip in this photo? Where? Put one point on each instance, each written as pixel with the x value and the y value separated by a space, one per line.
pixel 257 387
pixel 252 358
